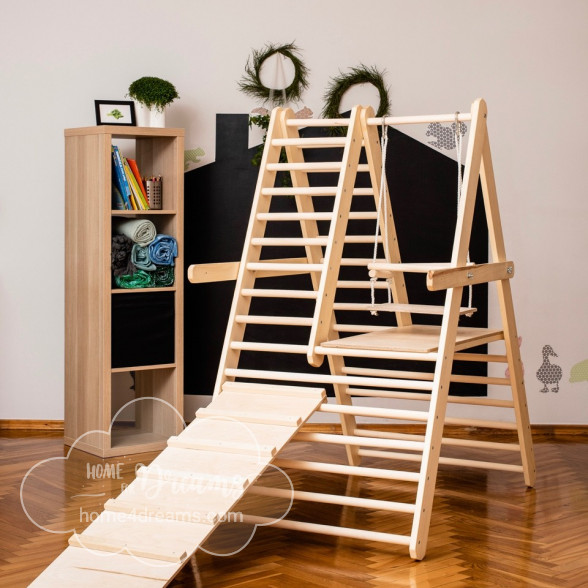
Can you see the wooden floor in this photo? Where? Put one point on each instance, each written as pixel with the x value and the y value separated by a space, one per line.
pixel 487 529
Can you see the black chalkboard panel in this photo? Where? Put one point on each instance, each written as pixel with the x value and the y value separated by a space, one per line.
pixel 142 329
pixel 218 201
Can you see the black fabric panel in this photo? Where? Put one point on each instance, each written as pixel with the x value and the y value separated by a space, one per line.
pixel 142 329
pixel 218 204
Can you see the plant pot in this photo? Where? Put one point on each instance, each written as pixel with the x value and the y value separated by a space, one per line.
pixel 157 118
pixel 149 117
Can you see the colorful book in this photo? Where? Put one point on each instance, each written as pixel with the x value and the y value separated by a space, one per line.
pixel 135 169
pixel 123 184
pixel 134 194
pixel 118 202
pixel 135 189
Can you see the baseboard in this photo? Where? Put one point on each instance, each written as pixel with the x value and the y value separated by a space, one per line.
pixel 30 425
pixel 539 431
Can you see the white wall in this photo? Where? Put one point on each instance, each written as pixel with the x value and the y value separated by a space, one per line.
pixel 526 58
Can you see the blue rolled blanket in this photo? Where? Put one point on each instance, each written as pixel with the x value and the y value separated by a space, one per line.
pixel 140 258
pixel 163 249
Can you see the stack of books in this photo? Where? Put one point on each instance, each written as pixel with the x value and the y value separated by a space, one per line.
pixel 128 189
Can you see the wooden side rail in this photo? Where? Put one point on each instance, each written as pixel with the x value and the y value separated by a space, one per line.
pixel 442 279
pixel 203 273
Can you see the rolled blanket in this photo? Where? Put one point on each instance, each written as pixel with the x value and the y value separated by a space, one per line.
pixel 140 230
pixel 163 249
pixel 139 279
pixel 120 255
pixel 140 258
pixel 163 276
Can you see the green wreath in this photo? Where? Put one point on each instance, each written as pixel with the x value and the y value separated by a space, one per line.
pixel 358 75
pixel 251 84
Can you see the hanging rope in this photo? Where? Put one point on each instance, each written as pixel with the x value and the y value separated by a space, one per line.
pixel 382 209
pixel 458 145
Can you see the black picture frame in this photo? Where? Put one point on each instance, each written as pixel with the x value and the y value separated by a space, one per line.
pixel 125 108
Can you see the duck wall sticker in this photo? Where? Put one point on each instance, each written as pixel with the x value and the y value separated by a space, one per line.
pixel 549 374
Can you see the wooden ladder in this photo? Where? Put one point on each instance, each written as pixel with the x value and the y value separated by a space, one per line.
pixel 439 345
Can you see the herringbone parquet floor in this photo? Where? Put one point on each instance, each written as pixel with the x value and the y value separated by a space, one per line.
pixel 488 529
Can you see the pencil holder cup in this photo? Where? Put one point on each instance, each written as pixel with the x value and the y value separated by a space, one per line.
pixel 154 189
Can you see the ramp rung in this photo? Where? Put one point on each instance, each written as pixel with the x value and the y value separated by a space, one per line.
pixel 251 417
pixel 224 446
pixel 250 319
pixel 273 389
pixel 288 241
pixel 162 510
pixel 269 347
pixel 169 475
pixel 323 498
pixel 87 541
pixel 265 293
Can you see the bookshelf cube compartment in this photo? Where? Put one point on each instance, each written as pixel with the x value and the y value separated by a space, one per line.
pixel 149 418
pixel 143 329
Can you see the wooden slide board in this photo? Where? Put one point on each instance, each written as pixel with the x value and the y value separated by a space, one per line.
pixel 145 535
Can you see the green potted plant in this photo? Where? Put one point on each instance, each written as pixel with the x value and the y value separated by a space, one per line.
pixel 151 96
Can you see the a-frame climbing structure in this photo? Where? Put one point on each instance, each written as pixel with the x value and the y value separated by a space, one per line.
pixel 272 404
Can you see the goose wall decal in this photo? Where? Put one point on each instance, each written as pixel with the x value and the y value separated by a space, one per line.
pixel 549 373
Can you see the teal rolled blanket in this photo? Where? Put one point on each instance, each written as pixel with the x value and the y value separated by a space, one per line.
pixel 140 258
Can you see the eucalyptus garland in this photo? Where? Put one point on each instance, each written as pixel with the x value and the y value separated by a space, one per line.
pixel 358 75
pixel 251 84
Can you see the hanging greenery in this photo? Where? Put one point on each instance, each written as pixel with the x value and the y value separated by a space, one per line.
pixel 358 75
pixel 251 84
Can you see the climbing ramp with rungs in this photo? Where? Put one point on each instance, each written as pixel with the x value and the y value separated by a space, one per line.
pixel 145 535
pixel 257 410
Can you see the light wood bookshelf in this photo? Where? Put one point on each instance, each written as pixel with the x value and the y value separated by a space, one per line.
pixel 90 296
